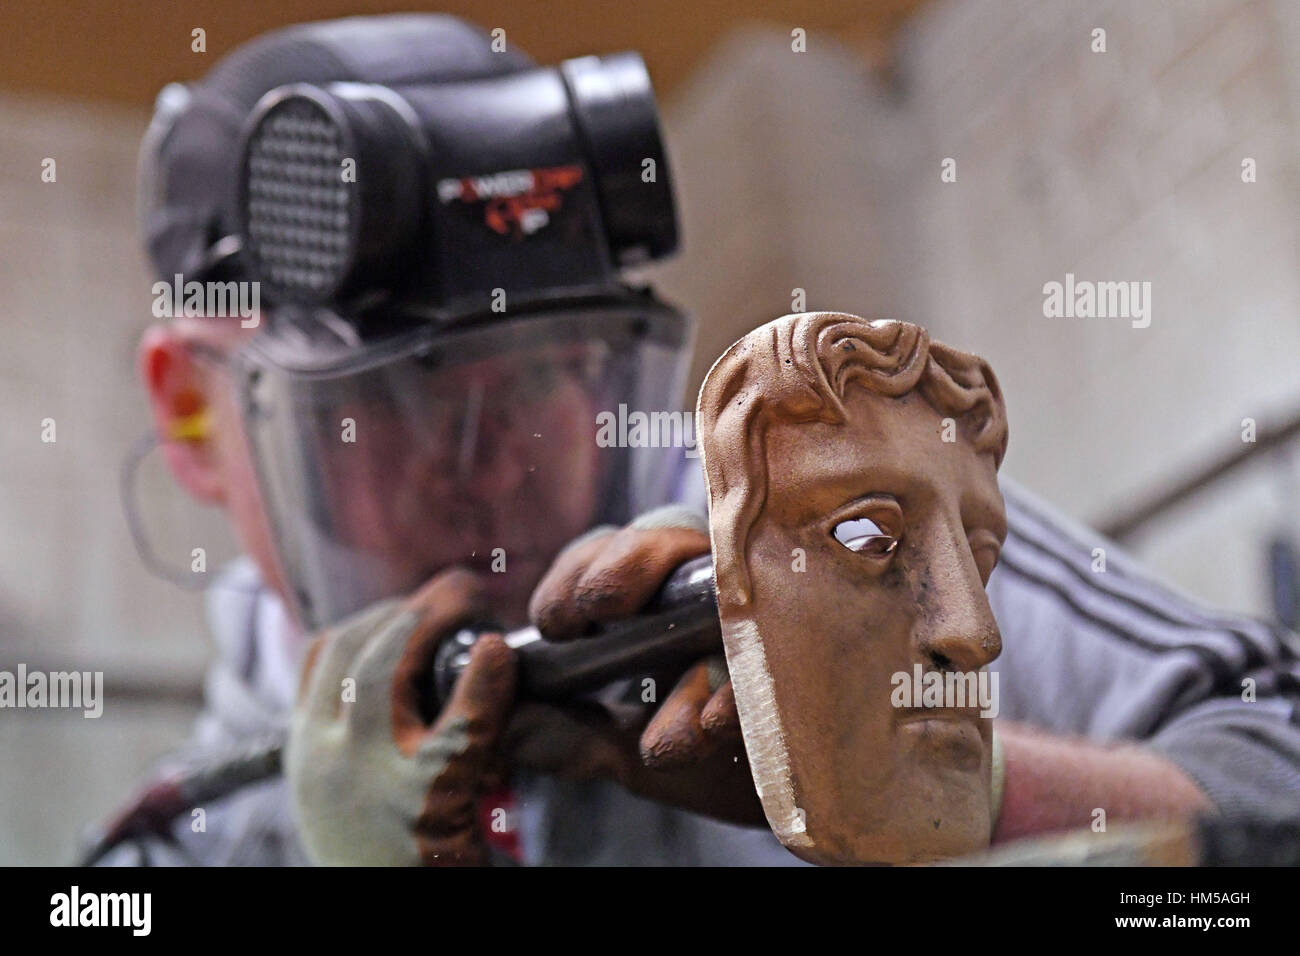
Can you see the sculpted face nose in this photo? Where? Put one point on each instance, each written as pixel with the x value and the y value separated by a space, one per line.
pixel 956 630
pixel 958 648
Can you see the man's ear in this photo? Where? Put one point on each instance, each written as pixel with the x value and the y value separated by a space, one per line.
pixel 179 395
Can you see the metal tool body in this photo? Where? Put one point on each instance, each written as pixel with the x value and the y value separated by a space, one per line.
pixel 678 627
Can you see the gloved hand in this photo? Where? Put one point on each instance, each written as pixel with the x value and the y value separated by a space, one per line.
pixel 690 752
pixel 372 783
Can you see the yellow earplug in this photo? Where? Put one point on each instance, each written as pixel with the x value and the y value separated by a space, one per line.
pixel 193 427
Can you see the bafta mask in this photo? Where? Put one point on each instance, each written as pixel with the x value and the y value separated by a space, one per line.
pixel 855 519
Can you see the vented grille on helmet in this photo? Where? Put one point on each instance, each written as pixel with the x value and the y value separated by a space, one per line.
pixel 300 209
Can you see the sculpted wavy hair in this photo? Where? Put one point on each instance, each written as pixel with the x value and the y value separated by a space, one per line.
pixel 798 369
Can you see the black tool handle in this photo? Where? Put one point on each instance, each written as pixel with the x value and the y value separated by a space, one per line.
pixel 678 627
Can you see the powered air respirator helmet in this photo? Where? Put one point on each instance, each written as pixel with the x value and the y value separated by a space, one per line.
pixel 436 228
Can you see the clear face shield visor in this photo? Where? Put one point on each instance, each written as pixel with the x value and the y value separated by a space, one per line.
pixel 489 448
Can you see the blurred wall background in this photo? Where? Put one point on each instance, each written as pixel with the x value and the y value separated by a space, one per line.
pixel 1116 166
pixel 815 171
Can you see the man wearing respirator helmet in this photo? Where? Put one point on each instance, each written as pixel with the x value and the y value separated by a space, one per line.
pixel 404 442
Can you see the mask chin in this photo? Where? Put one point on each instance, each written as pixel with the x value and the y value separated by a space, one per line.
pixel 382 459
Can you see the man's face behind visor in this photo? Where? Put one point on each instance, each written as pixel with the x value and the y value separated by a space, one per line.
pixel 481 440
pixel 476 449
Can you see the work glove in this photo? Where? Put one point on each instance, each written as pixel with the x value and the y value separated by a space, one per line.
pixel 688 751
pixel 373 782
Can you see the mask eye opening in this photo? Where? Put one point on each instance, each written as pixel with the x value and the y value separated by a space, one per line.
pixel 864 536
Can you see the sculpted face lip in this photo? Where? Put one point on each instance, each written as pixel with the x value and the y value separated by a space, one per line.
pixel 912 714
pixel 852 542
pixel 952 737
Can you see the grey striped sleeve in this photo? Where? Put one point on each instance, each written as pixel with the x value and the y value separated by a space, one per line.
pixel 1115 654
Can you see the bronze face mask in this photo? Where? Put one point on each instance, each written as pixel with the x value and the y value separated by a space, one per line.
pixel 855 519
